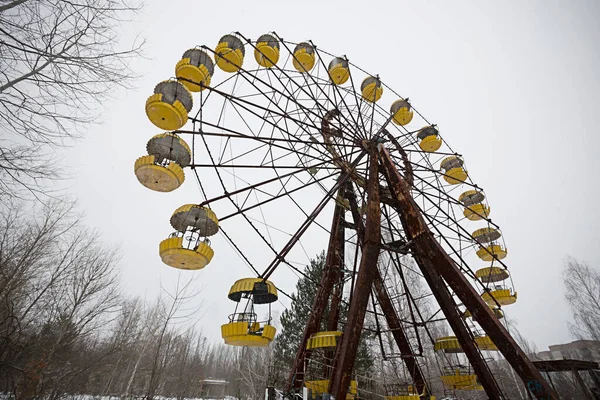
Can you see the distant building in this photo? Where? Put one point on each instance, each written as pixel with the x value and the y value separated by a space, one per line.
pixel 213 389
pixel 587 350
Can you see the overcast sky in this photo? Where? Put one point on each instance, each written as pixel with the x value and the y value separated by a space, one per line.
pixel 513 86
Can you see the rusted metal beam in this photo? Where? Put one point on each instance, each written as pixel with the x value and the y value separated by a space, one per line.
pixel 336 295
pixel 296 237
pixel 565 365
pixel 415 227
pixel 435 260
pixel 458 326
pixel 367 271
pixel 388 309
pixel 328 279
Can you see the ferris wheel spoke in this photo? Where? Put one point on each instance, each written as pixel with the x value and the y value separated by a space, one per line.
pixel 359 103
pixel 265 139
pixel 247 104
pixel 288 97
pixel 337 90
pixel 453 201
pixel 241 211
pixel 307 83
pixel 444 222
pixel 462 265
pixel 281 256
pixel 237 250
pixel 283 72
pixel 297 170
pixel 239 135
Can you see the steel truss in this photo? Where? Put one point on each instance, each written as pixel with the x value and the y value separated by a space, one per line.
pixel 278 134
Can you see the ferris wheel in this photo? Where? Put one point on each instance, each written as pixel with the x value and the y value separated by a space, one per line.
pixel 302 146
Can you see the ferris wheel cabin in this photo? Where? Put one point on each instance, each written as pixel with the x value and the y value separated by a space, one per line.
pixel 244 327
pixel 195 69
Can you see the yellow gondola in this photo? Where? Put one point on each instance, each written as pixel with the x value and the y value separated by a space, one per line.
pixel 229 53
pixel 460 378
pixel 454 172
pixel 401 112
pixel 371 89
pixel 497 312
pixel 175 253
pixel 486 235
pixel 499 295
pixel 169 106
pixel 189 247
pixel 244 328
pixel 471 197
pixel 262 292
pixel 492 274
pixel 429 139
pixel 266 52
pixel 450 344
pixel 162 169
pixel 201 220
pixel 447 344
pixel 485 343
pixel 339 70
pixel 195 69
pixel 476 212
pixel 153 175
pixel 323 340
pixel 405 391
pixel 492 252
pixel 304 57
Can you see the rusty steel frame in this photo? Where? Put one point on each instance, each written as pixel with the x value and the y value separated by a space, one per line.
pixel 336 295
pixel 458 326
pixel 423 245
pixel 438 264
pixel 329 277
pixel 346 351
pixel 387 307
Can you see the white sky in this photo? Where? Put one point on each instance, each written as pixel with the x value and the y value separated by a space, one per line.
pixel 512 85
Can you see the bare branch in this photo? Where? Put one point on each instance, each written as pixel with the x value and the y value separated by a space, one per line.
pixel 60 61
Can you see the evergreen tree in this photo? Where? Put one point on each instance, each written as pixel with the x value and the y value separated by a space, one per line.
pixel 293 321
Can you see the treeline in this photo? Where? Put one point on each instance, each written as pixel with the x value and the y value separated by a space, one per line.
pixel 67 328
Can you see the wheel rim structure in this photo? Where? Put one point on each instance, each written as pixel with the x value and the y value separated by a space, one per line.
pixel 280 145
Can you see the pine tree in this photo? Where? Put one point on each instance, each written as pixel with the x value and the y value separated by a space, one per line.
pixel 294 319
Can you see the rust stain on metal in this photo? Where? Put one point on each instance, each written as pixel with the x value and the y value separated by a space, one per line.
pixel 366 274
pixel 437 264
pixel 328 279
pixel 388 309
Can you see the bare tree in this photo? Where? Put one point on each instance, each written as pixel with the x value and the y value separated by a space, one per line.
pixel 253 371
pixel 57 287
pixel 171 313
pixel 582 285
pixel 60 59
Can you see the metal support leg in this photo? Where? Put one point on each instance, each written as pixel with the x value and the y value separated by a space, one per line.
pixel 389 311
pixel 428 250
pixel 366 274
pixel 328 278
